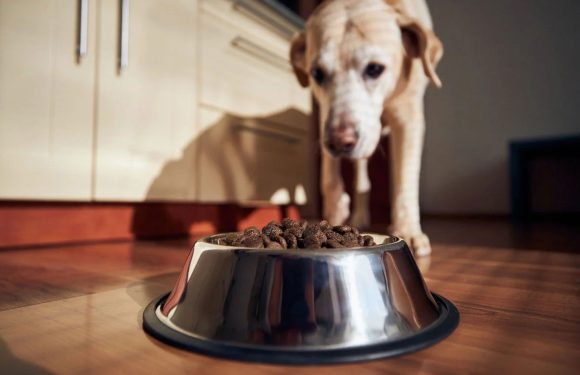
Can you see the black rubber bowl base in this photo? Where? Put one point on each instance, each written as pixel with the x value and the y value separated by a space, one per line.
pixel 439 330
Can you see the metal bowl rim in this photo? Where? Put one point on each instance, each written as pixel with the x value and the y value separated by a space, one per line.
pixel 396 244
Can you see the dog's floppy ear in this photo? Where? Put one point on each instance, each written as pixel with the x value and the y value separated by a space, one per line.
pixel 298 58
pixel 420 42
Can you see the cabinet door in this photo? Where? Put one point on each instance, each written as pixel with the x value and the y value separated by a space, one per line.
pixel 46 100
pixel 264 159
pixel 146 112
pixel 246 74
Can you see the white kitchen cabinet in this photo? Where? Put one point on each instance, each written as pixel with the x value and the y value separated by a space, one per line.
pixel 265 159
pixel 245 70
pixel 255 142
pixel 256 17
pixel 86 130
pixel 90 129
pixel 46 100
pixel 146 112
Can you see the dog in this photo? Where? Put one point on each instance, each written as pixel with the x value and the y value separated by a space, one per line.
pixel 368 64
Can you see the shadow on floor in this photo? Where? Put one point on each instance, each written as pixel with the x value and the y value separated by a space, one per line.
pixel 10 364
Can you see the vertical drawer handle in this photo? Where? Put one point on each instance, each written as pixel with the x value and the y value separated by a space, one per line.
pixel 124 36
pixel 82 41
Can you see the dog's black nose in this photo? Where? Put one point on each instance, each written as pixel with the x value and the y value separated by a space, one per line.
pixel 342 139
pixel 348 146
pixel 341 146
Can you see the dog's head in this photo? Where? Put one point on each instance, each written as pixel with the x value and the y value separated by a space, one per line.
pixel 352 54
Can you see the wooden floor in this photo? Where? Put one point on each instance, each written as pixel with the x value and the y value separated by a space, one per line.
pixel 77 309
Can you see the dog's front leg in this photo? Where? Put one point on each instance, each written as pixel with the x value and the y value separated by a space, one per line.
pixel 407 132
pixel 360 215
pixel 335 200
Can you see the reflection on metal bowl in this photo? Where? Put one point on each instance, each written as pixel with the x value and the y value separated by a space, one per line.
pixel 301 306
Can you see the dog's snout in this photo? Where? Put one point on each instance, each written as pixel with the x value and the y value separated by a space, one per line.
pixel 338 147
pixel 348 146
pixel 345 128
pixel 343 138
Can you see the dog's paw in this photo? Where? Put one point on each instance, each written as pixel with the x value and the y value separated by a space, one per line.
pixel 418 241
pixel 420 244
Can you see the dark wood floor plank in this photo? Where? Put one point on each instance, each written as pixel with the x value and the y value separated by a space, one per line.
pixel 78 309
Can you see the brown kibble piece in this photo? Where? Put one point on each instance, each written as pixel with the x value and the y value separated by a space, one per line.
pixel 312 243
pixel 310 230
pixel 369 240
pixel 333 244
pixel 332 235
pixel 296 231
pixel 274 245
pixel 266 229
pixel 289 223
pixel 275 233
pixel 265 240
pixel 350 238
pixel 281 241
pixel 324 225
pixel 291 240
pixel 231 238
pixel 252 231
pixel 320 236
pixel 272 231
pixel 253 241
pixel 342 229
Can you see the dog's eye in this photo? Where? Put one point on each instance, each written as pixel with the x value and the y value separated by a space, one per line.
pixel 318 75
pixel 374 70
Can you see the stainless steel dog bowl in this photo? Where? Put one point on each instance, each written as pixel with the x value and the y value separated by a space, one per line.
pixel 301 306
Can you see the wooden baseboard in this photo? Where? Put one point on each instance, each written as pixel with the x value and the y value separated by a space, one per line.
pixel 47 223
pixel 34 223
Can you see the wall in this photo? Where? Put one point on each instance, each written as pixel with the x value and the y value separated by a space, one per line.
pixel 511 70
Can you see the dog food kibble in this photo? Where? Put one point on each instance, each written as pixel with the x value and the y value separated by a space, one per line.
pixel 252 232
pixel 291 240
pixel 342 229
pixel 290 234
pixel 369 240
pixel 253 241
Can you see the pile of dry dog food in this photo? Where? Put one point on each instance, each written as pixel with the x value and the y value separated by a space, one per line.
pixel 290 234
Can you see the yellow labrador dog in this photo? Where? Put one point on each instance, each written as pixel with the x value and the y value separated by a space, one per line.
pixel 368 63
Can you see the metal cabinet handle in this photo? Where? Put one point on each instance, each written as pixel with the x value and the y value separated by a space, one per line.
pixel 82 41
pixel 261 53
pixel 124 36
pixel 267 133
